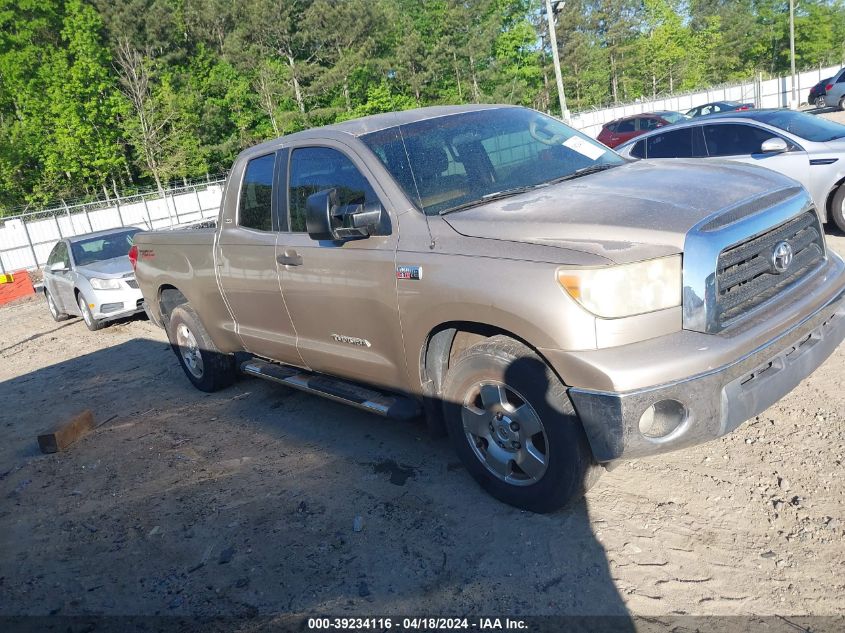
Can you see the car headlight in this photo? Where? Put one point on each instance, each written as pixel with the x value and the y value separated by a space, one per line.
pixel 105 284
pixel 626 289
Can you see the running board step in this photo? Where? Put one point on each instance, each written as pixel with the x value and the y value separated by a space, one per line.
pixel 386 405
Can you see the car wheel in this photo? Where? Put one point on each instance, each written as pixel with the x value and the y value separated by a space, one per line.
pixel 820 102
pixel 837 208
pixel 514 428
pixel 842 103
pixel 54 309
pixel 206 367
pixel 90 322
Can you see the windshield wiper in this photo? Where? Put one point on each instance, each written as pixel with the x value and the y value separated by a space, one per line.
pixel 507 193
pixel 496 195
pixel 584 171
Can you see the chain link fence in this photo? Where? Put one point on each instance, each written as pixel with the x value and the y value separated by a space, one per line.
pixel 27 239
pixel 763 93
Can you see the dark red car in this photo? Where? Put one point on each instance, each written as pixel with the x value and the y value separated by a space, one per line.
pixel 618 131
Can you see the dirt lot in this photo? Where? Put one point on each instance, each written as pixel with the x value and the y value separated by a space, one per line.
pixel 244 502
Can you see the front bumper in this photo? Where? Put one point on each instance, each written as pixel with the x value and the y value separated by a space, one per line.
pixel 717 401
pixel 114 304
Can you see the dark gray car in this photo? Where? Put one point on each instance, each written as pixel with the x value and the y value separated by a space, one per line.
pixel 804 147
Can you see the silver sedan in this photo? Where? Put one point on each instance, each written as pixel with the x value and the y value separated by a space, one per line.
pixel 91 276
pixel 808 148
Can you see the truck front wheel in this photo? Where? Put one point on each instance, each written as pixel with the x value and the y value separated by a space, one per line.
pixel 206 367
pixel 514 427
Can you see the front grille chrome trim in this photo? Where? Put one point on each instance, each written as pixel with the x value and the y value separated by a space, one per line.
pixel 706 250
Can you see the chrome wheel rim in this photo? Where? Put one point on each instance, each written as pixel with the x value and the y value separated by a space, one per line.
pixel 819 102
pixel 83 308
pixel 52 306
pixel 505 433
pixel 190 350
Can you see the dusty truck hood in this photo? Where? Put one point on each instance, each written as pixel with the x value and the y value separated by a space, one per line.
pixel 115 267
pixel 633 212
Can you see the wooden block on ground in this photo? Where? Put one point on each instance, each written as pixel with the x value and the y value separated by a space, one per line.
pixel 67 433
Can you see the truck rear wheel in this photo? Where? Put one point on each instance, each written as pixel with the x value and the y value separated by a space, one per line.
pixel 206 367
pixel 514 427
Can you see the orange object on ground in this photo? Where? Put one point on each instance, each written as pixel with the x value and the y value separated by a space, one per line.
pixel 14 286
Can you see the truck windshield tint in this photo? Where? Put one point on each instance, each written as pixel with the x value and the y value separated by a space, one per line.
pixel 457 160
pixel 812 128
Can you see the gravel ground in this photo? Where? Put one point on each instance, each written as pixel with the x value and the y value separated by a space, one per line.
pixel 263 500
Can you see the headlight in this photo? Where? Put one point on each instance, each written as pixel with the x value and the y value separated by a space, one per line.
pixel 627 289
pixel 105 284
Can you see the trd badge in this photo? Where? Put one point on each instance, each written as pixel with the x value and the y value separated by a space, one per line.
pixel 409 272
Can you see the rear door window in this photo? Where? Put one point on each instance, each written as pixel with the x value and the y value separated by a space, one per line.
pixel 683 143
pixel 649 124
pixel 734 139
pixel 255 209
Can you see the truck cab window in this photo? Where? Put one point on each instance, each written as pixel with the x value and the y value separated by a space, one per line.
pixel 314 169
pixel 255 207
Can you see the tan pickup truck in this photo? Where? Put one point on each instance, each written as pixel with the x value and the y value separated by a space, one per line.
pixel 551 305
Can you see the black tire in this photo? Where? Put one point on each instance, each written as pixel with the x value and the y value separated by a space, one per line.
pixel 837 208
pixel 191 343
pixel 53 308
pixel 87 317
pixel 569 469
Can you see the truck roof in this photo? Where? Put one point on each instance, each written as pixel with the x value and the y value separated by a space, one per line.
pixel 376 122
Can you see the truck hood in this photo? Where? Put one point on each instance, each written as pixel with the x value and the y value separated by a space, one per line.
pixel 637 211
pixel 115 267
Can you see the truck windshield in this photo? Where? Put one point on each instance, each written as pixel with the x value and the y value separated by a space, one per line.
pixel 460 160
pixel 102 247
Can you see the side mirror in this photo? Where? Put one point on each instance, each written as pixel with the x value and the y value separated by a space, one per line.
pixel 774 145
pixel 58 267
pixel 325 219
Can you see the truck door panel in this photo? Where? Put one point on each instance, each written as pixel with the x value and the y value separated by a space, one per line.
pixel 341 295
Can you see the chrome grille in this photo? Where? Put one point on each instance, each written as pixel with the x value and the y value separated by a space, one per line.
pixel 132 283
pixel 744 275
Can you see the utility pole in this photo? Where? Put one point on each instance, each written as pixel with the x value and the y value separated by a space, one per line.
pixel 550 16
pixel 793 101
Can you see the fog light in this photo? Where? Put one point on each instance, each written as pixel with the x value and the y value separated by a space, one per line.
pixel 662 418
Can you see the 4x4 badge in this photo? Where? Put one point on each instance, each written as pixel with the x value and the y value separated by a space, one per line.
pixel 409 272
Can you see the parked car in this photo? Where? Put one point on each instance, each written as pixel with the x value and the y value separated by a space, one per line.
pixel 511 278
pixel 817 93
pixel 808 148
pixel 835 91
pixel 718 106
pixel 91 276
pixel 626 128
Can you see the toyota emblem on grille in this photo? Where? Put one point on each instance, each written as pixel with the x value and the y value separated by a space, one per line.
pixel 781 257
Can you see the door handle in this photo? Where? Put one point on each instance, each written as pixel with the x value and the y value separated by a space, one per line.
pixel 290 258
